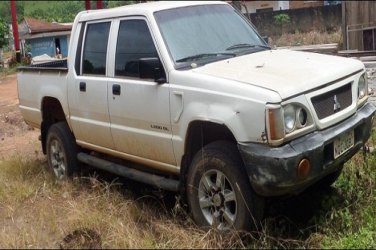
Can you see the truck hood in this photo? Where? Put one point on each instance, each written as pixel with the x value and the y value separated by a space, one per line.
pixel 284 71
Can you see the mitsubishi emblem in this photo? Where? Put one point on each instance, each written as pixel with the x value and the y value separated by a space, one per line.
pixel 337 105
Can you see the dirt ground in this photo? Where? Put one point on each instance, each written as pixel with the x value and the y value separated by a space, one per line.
pixel 16 137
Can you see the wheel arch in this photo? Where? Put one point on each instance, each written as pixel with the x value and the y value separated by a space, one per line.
pixel 199 134
pixel 52 112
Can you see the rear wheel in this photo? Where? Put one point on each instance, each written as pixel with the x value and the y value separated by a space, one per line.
pixel 219 193
pixel 62 151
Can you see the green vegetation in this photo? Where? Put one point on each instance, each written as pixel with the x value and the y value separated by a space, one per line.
pixel 282 19
pixel 51 11
pixel 4 33
pixel 6 14
pixel 36 211
pixel 54 11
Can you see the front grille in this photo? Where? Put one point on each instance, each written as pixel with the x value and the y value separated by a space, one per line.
pixel 333 101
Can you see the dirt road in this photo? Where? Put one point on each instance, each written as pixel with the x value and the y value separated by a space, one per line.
pixel 16 137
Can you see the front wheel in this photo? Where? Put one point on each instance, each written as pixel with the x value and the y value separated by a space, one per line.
pixel 62 151
pixel 219 193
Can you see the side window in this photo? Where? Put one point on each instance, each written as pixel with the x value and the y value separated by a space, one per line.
pixel 134 42
pixel 95 49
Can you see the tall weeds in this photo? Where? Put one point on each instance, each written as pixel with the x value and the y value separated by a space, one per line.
pixel 313 37
pixel 102 211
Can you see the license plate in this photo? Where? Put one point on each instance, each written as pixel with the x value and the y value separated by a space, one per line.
pixel 343 143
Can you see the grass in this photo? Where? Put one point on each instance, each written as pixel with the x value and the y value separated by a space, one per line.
pixel 37 212
pixel 351 222
pixel 103 211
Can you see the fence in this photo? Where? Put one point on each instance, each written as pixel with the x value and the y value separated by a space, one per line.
pixel 322 18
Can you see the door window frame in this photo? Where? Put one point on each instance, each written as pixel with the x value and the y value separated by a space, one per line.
pixel 114 39
pixel 107 50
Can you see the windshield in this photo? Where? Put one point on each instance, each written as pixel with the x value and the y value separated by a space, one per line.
pixel 206 33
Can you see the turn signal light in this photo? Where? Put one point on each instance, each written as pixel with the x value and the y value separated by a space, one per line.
pixel 304 168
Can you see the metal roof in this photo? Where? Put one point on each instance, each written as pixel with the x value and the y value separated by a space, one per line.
pixel 38 26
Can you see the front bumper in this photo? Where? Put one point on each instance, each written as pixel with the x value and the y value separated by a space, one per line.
pixel 273 170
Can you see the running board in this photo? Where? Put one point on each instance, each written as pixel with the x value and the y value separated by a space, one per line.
pixel 130 173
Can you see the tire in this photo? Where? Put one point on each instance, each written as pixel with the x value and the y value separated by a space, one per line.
pixel 218 190
pixel 62 151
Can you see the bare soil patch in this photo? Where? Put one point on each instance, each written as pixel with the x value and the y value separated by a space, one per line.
pixel 16 137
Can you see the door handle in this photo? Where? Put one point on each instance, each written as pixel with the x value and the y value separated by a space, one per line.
pixel 116 89
pixel 83 86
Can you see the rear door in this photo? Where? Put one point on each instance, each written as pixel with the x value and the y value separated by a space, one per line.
pixel 139 108
pixel 88 94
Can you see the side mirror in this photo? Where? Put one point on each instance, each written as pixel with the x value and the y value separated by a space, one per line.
pixel 151 68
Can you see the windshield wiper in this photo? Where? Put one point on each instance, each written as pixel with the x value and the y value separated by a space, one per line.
pixel 204 55
pixel 246 45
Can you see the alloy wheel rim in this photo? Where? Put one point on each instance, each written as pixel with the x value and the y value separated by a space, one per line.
pixel 217 200
pixel 58 159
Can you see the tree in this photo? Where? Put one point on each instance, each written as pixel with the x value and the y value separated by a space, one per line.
pixel 5 13
pixel 51 11
pixel 4 33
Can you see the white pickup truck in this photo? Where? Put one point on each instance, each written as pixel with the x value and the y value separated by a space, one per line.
pixel 188 97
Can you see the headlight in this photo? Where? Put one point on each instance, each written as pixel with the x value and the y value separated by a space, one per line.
pixel 286 122
pixel 295 117
pixel 362 87
pixel 289 116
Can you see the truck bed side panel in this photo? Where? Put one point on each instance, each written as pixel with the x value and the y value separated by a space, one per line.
pixel 35 84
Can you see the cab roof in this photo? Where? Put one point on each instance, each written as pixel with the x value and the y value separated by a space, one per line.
pixel 143 9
